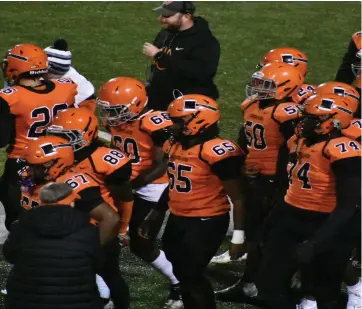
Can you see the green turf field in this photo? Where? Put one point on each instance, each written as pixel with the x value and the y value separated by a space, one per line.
pixel 106 40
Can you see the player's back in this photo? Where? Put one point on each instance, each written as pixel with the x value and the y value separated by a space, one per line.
pixel 264 137
pixel 33 109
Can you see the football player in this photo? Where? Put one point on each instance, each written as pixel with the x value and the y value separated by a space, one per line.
pixel 26 109
pixel 203 169
pixel 350 70
pixel 111 169
pixel 49 158
pixel 296 58
pixel 141 133
pixel 311 227
pixel 269 116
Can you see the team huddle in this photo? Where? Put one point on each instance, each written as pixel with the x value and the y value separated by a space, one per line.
pixel 293 178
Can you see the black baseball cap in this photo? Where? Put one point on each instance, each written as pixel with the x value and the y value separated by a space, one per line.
pixel 170 8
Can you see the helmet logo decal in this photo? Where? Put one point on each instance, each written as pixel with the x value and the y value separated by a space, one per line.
pixel 48 149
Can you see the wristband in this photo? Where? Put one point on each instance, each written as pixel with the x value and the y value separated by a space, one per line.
pixel 238 237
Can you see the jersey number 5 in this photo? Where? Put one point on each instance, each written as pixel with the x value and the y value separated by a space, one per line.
pixel 176 174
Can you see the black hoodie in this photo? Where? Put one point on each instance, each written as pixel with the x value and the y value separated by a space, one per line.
pixel 56 254
pixel 188 62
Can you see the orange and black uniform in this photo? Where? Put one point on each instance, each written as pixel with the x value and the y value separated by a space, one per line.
pixel 354 131
pixel 25 113
pixel 267 127
pixel 304 93
pixel 199 207
pixel 137 139
pixel 312 224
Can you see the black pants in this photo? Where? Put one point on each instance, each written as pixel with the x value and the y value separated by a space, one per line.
pixel 111 275
pixel 260 197
pixel 321 278
pixel 10 194
pixel 189 244
pixel 145 249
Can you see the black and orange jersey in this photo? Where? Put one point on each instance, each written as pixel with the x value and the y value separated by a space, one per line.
pixel 83 184
pixel 354 131
pixel 312 183
pixel 105 164
pixel 304 93
pixel 266 129
pixel 33 109
pixel 196 174
pixel 138 138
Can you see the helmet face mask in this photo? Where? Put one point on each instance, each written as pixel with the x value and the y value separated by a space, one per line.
pixel 74 137
pixel 115 115
pixel 263 88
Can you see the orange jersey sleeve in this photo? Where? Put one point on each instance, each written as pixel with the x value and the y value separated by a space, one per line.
pixel 219 149
pixel 34 109
pixel 354 131
pixel 286 111
pixel 342 148
pixel 304 93
pixel 155 121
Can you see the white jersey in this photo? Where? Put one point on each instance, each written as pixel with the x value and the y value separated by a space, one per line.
pixel 85 88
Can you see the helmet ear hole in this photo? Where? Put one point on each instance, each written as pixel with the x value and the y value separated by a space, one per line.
pixel 337 123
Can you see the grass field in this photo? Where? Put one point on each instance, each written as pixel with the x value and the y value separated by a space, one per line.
pixel 106 39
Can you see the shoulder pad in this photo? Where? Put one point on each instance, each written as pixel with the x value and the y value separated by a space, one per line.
pixel 342 148
pixel 155 121
pixel 244 105
pixel 107 160
pixel 304 92
pixel 10 94
pixel 287 111
pixel 354 131
pixel 219 149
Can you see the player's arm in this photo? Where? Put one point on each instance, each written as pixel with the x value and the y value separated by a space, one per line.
pixel 345 73
pixel 229 172
pixel 119 185
pixel 91 201
pixel 159 161
pixel 7 123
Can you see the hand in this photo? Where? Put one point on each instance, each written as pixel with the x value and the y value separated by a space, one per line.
pixel 237 251
pixel 304 252
pixel 150 50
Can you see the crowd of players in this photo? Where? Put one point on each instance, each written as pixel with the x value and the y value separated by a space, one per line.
pixel 293 178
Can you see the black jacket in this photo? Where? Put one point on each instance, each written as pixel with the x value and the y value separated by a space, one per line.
pixel 188 62
pixel 56 254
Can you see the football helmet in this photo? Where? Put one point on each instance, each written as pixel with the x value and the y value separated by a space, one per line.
pixel 288 55
pixel 24 60
pixel 275 80
pixel 121 100
pixel 193 113
pixel 325 112
pixel 356 67
pixel 342 89
pixel 79 126
pixel 47 157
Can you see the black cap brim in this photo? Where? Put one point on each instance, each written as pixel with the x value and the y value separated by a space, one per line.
pixel 164 12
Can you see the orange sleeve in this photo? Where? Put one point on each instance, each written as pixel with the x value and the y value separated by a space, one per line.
pixel 155 121
pixel 89 104
pixel 108 160
pixel 219 149
pixel 287 111
pixel 342 148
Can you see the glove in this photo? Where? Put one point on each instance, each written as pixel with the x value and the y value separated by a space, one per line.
pixel 304 252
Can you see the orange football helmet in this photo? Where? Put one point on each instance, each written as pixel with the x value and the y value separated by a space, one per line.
pixel 52 153
pixel 356 67
pixel 342 89
pixel 193 113
pixel 121 100
pixel 24 60
pixel 288 55
pixel 275 80
pixel 79 126
pixel 325 112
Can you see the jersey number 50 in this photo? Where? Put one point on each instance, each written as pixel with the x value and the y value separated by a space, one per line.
pixel 255 135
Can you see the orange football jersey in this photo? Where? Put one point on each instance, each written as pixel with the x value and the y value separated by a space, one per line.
pixel 304 93
pixel 354 131
pixel 101 163
pixel 134 138
pixel 194 190
pixel 34 109
pixel 262 130
pixel 311 179
pixel 78 181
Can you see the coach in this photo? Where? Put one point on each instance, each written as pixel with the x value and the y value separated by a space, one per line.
pixel 185 55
